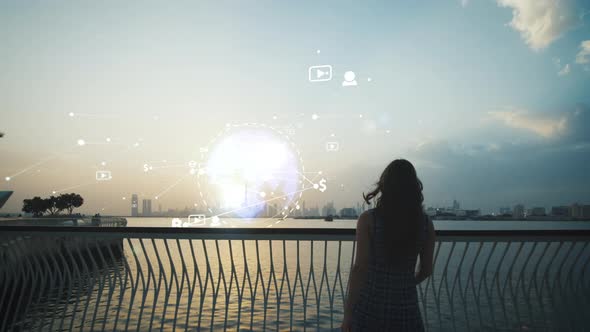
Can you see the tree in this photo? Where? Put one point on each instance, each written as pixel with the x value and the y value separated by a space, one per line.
pixel 37 206
pixel 52 205
pixel 71 201
pixel 61 202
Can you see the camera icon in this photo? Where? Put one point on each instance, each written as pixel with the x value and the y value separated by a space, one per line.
pixel 103 175
pixel 196 219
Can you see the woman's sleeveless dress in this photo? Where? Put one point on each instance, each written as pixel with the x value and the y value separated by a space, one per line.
pixel 388 299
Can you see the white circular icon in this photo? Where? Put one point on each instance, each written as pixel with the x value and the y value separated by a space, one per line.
pixel 349 79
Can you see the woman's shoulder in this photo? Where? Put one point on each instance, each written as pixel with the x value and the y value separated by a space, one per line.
pixel 366 216
pixel 365 220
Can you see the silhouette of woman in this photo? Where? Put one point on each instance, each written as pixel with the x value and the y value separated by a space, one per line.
pixel 382 292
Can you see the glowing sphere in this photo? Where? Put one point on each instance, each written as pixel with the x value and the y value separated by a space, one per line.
pixel 246 163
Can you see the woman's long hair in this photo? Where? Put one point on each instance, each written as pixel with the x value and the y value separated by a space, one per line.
pixel 399 204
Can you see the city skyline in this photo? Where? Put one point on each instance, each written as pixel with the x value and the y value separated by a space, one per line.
pixel 103 102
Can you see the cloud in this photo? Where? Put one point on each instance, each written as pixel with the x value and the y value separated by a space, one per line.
pixel 562 71
pixel 565 70
pixel 540 22
pixel 547 127
pixel 583 57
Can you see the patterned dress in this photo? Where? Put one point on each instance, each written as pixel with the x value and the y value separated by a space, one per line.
pixel 388 299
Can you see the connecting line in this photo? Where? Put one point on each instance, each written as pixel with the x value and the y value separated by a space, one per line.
pixel 42 161
pixel 171 186
pixel 74 187
pixel 102 143
pixel 88 115
pixel 169 166
pixel 272 218
pixel 306 179
pixel 263 202
pixel 315 177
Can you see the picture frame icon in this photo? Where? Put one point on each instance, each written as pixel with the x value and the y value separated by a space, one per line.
pixel 321 73
pixel 197 219
pixel 332 146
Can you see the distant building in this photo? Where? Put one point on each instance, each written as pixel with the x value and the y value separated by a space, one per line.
pixel 314 211
pixel 561 211
pixel 456 205
pixel 431 212
pixel 348 213
pixel 578 211
pixel 536 212
pixel 147 208
pixel 460 213
pixel 328 209
pixel 134 206
pixel 505 210
pixel 518 211
pixel 471 213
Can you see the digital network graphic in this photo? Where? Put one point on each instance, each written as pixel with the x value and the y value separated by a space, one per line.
pixel 249 170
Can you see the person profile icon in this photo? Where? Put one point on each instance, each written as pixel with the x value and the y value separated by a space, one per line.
pixel 349 79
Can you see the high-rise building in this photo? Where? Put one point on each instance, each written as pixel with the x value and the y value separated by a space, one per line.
pixel 456 205
pixel 134 206
pixel 147 208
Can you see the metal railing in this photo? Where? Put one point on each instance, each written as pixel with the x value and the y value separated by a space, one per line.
pixel 74 221
pixel 278 279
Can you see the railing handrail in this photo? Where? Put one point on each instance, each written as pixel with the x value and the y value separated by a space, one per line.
pixel 234 231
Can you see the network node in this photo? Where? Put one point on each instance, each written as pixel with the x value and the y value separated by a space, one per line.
pixel 7 178
pixel 316 186
pixel 108 139
pixel 71 114
pixel 81 142
pixel 314 116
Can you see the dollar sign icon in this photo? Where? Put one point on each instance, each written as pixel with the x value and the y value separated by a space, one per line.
pixel 322 187
pixel 146 167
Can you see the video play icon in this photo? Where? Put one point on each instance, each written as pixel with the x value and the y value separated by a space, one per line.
pixel 320 73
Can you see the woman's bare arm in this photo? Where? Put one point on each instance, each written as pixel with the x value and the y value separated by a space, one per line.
pixel 359 269
pixel 426 256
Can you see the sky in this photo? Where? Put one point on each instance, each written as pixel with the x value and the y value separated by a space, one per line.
pixel 488 98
